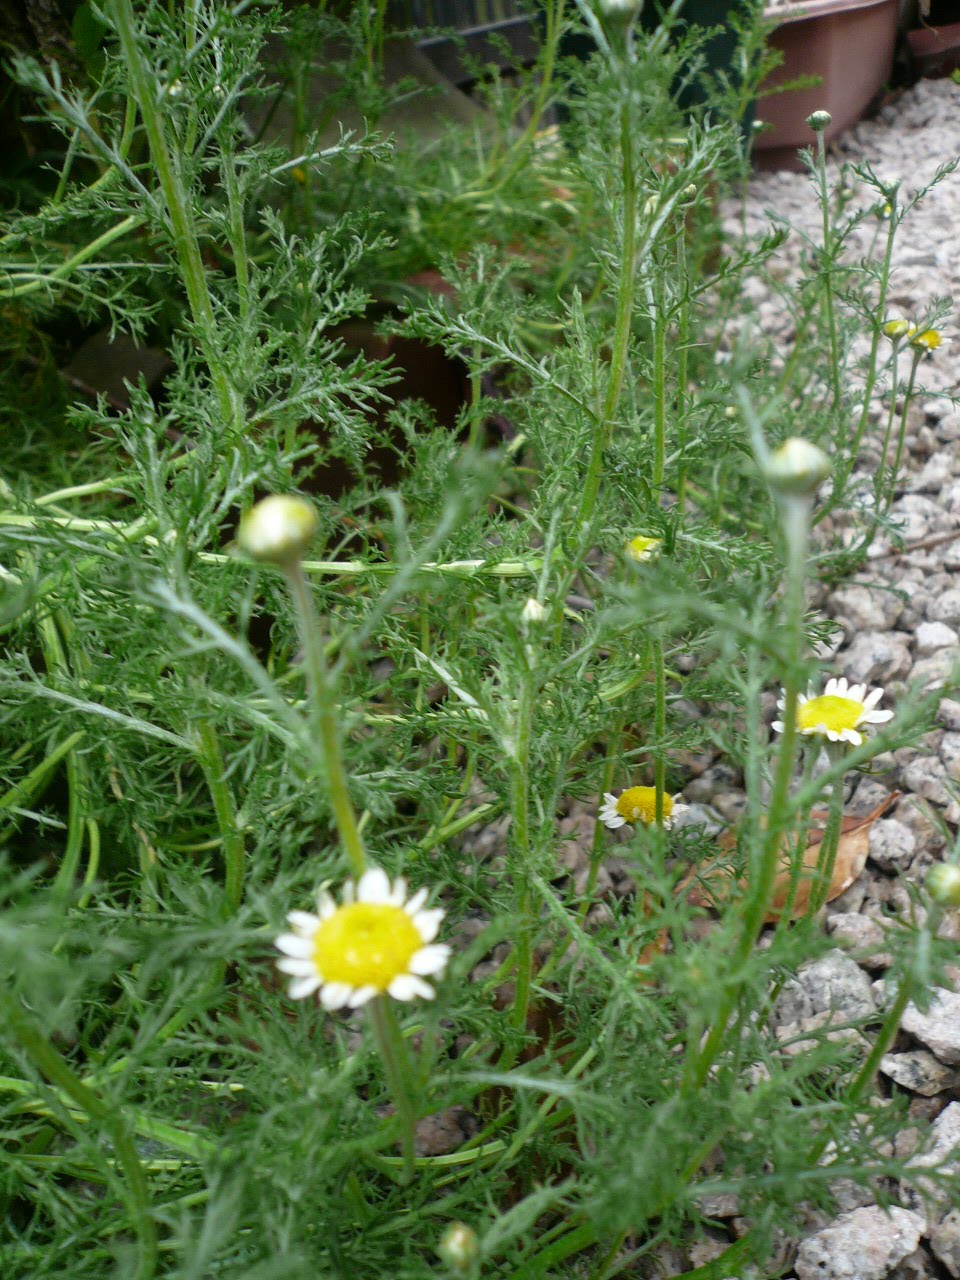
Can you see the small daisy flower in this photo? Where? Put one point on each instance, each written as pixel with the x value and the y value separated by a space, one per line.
pixel 643 548
pixel 639 804
pixel 838 713
pixel 928 340
pixel 376 941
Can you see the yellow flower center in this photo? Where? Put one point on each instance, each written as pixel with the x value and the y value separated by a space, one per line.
pixel 639 804
pixel 830 712
pixel 365 944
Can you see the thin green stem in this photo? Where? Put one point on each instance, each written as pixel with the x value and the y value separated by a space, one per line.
pixel 871 376
pixel 399 1073
pixel 763 873
pixel 902 435
pixel 659 725
pixel 829 846
pixel 828 254
pixel 179 209
pixel 107 1116
pixel 83 255
pixel 234 851
pixel 623 324
pixel 520 847
pixel 323 718
pixel 659 387
pixel 882 463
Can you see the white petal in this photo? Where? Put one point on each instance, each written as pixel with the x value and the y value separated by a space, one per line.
pixel 427 923
pixel 298 968
pixel 429 960
pixel 361 996
pixel 831 733
pixel 406 987
pixel 877 717
pixel 857 692
pixel 834 688
pixel 668 823
pixel 398 893
pixel 610 798
pixel 301 987
pixel 777 726
pixel 416 902
pixel 615 821
pixel 374 886
pixel 292 944
pixel 872 698
pixel 303 921
pixel 335 995
pixel 348 893
pixel 851 735
pixel 327 905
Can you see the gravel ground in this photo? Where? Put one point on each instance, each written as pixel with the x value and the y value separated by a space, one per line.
pixel 900 622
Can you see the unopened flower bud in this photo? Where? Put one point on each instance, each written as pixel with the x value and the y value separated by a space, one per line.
pixel 943 883
pixel 533 611
pixel 797 467
pixel 277 530
pixel 896 328
pixel 619 8
pixel 643 548
pixel 459 1248
pixel 689 192
pixel 819 120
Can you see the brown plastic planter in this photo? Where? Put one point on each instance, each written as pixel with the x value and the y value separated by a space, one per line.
pixel 847 43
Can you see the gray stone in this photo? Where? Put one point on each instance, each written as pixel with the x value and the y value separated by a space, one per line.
pixel 934 672
pixel 916 517
pixel 892 844
pixel 945 606
pixel 833 984
pixel 867 609
pixel 939 1027
pixel 933 475
pixel 942 1153
pixel 948 714
pixel 919 1071
pixel 945 1241
pixel 865 1244
pixel 927 777
pixel 877 656
pixel 930 637
pixel 950 754
pixel 861 934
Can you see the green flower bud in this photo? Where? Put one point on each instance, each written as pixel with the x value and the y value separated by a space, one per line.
pixel 819 120
pixel 797 467
pixel 943 884
pixel 277 530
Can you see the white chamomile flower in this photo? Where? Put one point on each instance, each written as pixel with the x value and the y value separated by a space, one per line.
pixel 639 804
pixel 838 713
pixel 377 941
